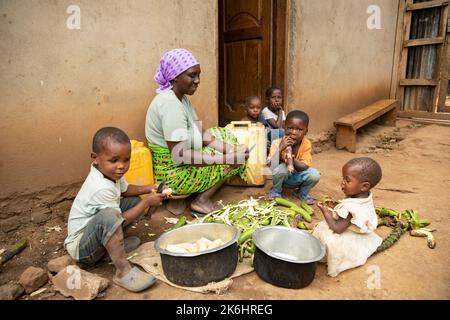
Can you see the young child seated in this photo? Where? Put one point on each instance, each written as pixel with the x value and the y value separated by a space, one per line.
pixel 348 230
pixel 274 114
pixel 301 176
pixel 253 110
pixel 98 213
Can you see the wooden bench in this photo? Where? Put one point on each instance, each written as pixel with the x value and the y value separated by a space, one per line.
pixel 385 110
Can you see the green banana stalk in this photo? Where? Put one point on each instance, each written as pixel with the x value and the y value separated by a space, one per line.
pixel 391 239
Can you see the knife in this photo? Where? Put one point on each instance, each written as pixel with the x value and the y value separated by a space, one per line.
pixel 161 186
pixel 251 148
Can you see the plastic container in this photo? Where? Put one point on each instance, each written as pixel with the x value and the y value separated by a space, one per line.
pixel 251 134
pixel 141 165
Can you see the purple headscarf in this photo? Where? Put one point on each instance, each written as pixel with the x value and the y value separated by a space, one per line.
pixel 173 63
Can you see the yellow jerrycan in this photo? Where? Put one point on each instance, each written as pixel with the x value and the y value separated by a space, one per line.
pixel 141 165
pixel 251 134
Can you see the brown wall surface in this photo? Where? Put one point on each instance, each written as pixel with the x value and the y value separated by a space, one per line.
pixel 59 86
pixel 336 65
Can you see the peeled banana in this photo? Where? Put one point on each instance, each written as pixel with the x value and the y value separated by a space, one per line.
pixel 425 233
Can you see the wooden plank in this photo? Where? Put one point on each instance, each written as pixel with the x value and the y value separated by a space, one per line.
pixel 426 5
pixel 419 82
pixel 398 46
pixel 423 42
pixel 279 46
pixel 389 118
pixel 365 115
pixel 440 91
pixel 406 30
pixel 443 23
pixel 424 115
pixel 240 35
pixel 429 121
pixel 346 138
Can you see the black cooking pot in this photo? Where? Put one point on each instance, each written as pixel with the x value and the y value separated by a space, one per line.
pixel 199 268
pixel 286 257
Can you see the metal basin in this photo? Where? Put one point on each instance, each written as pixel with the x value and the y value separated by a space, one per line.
pixel 199 268
pixel 286 257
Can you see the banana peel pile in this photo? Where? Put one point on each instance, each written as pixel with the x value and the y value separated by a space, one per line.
pixel 248 215
pixel 400 221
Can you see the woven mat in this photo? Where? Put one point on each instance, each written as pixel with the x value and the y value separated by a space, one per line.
pixel 150 260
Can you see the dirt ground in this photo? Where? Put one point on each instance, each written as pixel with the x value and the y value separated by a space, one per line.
pixel 416 175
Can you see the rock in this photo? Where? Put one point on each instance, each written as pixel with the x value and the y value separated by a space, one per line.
pixel 82 285
pixel 324 137
pixel 57 264
pixel 10 224
pixel 41 215
pixel 33 278
pixel 10 291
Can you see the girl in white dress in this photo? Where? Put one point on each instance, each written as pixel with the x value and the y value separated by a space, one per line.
pixel 348 229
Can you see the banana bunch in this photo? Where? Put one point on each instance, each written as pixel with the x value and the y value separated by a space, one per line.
pixel 400 221
pixel 406 220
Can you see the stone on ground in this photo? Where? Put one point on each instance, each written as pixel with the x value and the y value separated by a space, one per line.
pixel 82 285
pixel 33 278
pixel 57 264
pixel 10 291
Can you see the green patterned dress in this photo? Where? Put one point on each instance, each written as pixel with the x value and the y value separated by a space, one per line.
pixel 187 179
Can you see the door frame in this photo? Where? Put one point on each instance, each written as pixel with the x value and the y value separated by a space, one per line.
pixel 402 42
pixel 278 49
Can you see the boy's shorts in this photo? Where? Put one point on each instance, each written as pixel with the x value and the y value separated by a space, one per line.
pixel 99 230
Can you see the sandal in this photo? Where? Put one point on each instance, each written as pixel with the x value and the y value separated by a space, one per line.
pixel 135 280
pixel 308 199
pixel 273 194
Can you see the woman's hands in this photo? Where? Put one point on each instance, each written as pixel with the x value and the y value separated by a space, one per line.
pixel 238 155
pixel 233 155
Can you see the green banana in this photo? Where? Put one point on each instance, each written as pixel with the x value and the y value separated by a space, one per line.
pixel 306 207
pixel 294 207
pixel 383 212
pixel 247 234
pixel 181 222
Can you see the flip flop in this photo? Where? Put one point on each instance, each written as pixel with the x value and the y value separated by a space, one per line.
pixel 135 280
pixel 129 244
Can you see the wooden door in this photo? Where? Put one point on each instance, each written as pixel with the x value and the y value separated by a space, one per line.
pixel 245 54
pixel 422 39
